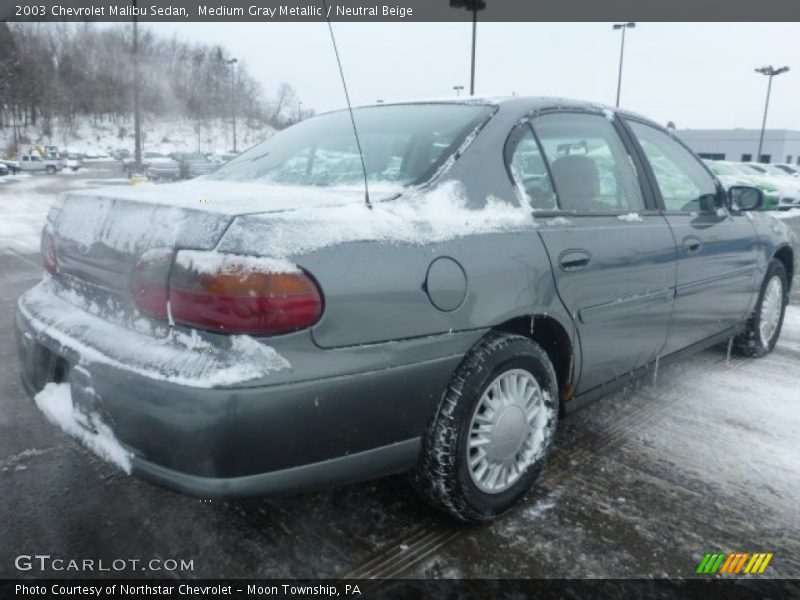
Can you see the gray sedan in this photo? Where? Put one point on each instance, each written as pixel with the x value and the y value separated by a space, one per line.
pixel 431 297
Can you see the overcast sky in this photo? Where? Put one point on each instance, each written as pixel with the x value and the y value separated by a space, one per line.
pixel 698 75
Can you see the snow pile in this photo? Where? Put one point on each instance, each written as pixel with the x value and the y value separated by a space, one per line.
pixel 231 264
pixel 421 217
pixel 559 222
pixel 630 217
pixel 177 358
pixel 55 401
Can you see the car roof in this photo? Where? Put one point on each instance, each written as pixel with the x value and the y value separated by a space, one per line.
pixel 519 104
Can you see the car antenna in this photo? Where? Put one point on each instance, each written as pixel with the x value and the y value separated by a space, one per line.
pixel 349 106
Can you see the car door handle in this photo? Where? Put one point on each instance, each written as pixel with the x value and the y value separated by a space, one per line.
pixel 692 245
pixel 574 260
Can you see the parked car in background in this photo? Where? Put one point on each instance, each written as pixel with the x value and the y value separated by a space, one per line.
pixel 793 170
pixel 11 165
pixel 733 174
pixel 155 165
pixel 73 162
pixel 35 163
pixel 160 167
pixel 121 154
pixel 4 170
pixel 788 186
pixel 194 164
pixel 274 328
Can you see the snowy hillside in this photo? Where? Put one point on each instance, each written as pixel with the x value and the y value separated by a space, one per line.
pixel 97 137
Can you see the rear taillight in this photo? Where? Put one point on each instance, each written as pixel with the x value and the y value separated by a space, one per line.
pixel 230 294
pixel 49 260
pixel 149 283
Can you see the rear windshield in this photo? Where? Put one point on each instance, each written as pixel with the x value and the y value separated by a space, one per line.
pixel 402 145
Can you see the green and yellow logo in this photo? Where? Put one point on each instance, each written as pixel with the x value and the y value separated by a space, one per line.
pixel 736 562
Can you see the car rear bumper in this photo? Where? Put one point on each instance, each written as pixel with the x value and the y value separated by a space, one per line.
pixel 336 416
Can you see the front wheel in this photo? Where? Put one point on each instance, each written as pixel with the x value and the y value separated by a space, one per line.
pixel 51 170
pixel 764 326
pixel 493 431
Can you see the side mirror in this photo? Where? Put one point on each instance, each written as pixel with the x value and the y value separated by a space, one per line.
pixel 745 197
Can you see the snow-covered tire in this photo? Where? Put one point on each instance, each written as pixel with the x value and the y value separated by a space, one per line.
pixel 50 169
pixel 751 341
pixel 443 475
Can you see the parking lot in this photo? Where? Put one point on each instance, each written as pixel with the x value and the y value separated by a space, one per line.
pixel 702 458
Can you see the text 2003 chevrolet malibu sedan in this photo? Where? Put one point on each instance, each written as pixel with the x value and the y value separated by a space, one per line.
pixel 268 328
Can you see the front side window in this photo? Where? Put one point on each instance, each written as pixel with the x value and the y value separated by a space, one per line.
pixel 402 145
pixel 684 184
pixel 591 169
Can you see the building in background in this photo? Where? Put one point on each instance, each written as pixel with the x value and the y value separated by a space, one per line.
pixel 741 145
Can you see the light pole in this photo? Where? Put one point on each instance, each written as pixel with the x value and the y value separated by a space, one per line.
pixel 137 108
pixel 474 6
pixel 770 72
pixel 232 62
pixel 458 89
pixel 623 27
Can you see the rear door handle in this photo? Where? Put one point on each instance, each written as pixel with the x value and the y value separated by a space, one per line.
pixel 574 260
pixel 692 245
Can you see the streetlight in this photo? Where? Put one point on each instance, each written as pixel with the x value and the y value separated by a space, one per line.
pixel 458 89
pixel 232 62
pixel 137 108
pixel 474 6
pixel 770 72
pixel 623 27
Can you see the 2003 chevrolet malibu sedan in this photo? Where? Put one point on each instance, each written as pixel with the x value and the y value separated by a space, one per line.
pixel 275 326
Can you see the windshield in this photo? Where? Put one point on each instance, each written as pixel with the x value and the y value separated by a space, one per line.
pixel 402 145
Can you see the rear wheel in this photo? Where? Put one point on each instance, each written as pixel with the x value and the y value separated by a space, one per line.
pixel 493 431
pixel 764 325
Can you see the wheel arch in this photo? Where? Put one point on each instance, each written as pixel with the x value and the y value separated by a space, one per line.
pixel 555 340
pixel 785 254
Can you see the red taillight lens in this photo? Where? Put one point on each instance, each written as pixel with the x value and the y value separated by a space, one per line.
pixel 149 283
pixel 49 260
pixel 228 294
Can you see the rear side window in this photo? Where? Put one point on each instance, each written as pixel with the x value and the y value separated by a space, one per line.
pixel 402 145
pixel 528 170
pixel 684 184
pixel 591 169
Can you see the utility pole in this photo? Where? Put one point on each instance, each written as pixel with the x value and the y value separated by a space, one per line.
pixel 770 72
pixel 623 27
pixel 474 6
pixel 137 109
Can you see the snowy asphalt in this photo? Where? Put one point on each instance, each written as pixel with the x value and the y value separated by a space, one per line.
pixel 642 483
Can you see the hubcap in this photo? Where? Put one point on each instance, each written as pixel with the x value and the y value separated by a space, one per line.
pixel 507 431
pixel 771 310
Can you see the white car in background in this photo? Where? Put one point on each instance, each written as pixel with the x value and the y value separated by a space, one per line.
pixel 788 185
pixel 793 170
